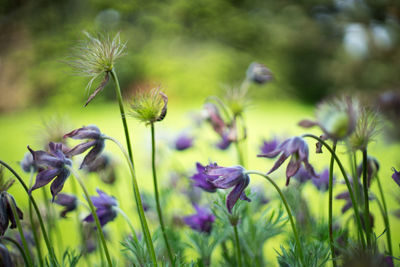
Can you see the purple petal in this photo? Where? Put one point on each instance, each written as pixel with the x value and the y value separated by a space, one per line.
pixel 92 155
pixel 292 168
pixel 44 177
pixel 88 132
pixel 269 146
pixel 58 183
pixel 42 158
pixel 396 176
pixel 235 194
pixel 81 148
pixel 307 123
pixel 278 163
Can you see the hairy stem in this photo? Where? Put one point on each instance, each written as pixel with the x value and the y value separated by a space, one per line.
pixel 366 199
pixel 50 248
pixel 294 229
pixel 346 179
pixel 331 205
pixel 237 245
pixel 157 195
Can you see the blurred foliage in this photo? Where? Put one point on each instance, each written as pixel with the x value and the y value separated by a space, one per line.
pixel 313 47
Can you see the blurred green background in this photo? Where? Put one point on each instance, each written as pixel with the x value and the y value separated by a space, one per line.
pixel 195 49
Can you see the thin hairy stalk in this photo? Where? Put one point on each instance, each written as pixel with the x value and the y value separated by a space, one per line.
pixel 346 179
pixel 385 215
pixel 139 205
pixel 331 205
pixel 50 248
pixel 237 245
pixel 244 140
pixel 123 114
pixel 238 147
pixel 94 214
pixel 128 221
pixel 49 215
pixel 33 226
pixel 223 107
pixel 353 164
pixel 18 246
pixel 294 229
pixel 20 230
pixel 156 193
pixel 366 199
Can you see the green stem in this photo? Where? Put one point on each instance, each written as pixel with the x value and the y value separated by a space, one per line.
pixel 238 251
pixel 123 114
pixel 94 214
pixel 33 226
pixel 128 221
pixel 331 205
pixel 45 236
pixel 21 250
pixel 385 217
pixel 138 199
pixel 366 199
pixel 346 179
pixel 294 229
pixel 21 232
pixel 157 195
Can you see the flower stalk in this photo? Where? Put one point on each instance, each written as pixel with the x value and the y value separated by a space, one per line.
pixel 157 195
pixel 385 217
pixel 238 250
pixel 331 205
pixel 366 200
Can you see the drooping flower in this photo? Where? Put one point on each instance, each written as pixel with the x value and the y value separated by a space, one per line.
pixel 372 169
pixel 96 142
pixel 259 73
pixel 269 146
pixel 6 214
pixel 201 221
pixel 104 208
pixel 69 202
pixel 5 257
pixel 337 118
pixel 183 142
pixel 227 177
pixel 53 164
pixel 396 176
pixel 28 164
pixel 295 147
pixel 104 166
pixel 203 180
pixel 322 183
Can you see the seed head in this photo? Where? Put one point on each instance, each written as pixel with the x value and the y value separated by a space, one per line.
pixel 149 106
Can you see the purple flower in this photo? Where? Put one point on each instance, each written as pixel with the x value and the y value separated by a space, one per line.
pixel 104 208
pixel 322 183
pixel 28 164
pixel 346 196
pixel 6 214
pixel 183 142
pixel 226 177
pixel 104 166
pixel 258 73
pixel 295 147
pixel 5 256
pixel 224 143
pixel 56 163
pixel 69 202
pixel 302 175
pixel 269 146
pixel 201 221
pixel 96 141
pixel 396 176
pixel 203 180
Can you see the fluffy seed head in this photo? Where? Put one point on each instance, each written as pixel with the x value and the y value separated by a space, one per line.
pixel 149 106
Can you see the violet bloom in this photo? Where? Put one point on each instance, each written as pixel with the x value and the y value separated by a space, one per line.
pixel 104 208
pixel 201 221
pixel 258 73
pixel 28 164
pixel 56 163
pixel 224 143
pixel 183 142
pixel 6 214
pixel 396 176
pixel 203 180
pixel 96 142
pixel 322 183
pixel 302 175
pixel 295 147
pixel 345 196
pixel 226 177
pixel 269 146
pixel 69 202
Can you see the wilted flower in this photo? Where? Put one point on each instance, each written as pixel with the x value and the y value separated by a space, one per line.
pixel 226 177
pixel 96 142
pixel 104 208
pixel 183 142
pixel 337 118
pixel 298 149
pixel 322 183
pixel 372 169
pixel 201 221
pixel 28 164
pixel 149 106
pixel 6 214
pixel 69 202
pixel 56 163
pixel 258 73
pixel 97 56
pixel 269 146
pixel 203 180
pixel 396 176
